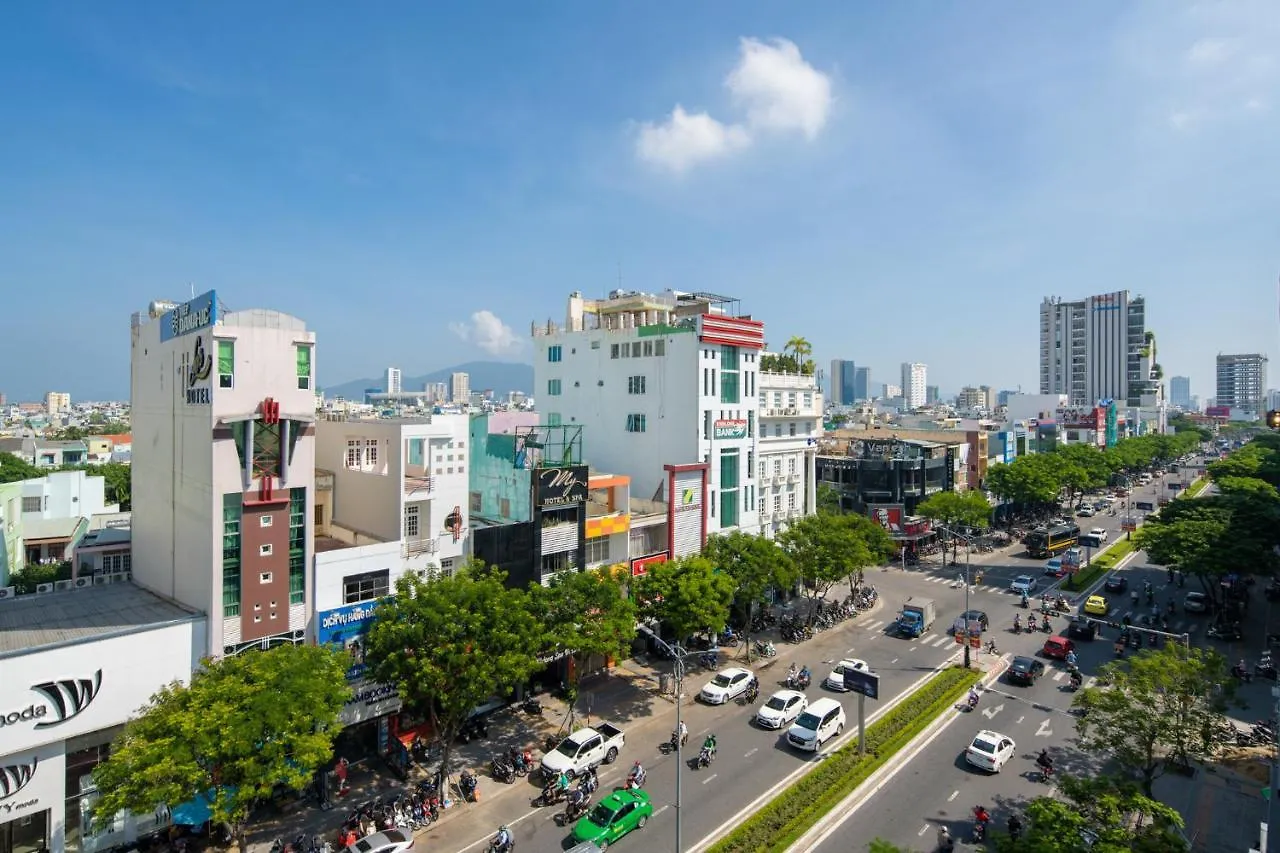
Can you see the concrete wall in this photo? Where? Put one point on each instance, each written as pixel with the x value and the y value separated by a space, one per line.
pixel 494 477
pixel 12 554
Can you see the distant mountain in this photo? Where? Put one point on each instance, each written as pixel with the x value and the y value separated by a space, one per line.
pixel 501 376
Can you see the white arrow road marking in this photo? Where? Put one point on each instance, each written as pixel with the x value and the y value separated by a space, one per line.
pixel 1044 730
pixel 990 713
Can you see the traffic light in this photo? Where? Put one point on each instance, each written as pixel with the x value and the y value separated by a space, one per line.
pixel 1273 419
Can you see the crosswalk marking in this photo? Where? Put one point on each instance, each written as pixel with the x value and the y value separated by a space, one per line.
pixel 1058 674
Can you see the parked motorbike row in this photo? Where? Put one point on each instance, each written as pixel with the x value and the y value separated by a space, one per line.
pixel 505 768
pixel 302 844
pixel 412 809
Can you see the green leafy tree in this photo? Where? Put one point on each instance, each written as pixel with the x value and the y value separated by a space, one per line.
pixel 15 468
pixel 953 509
pixel 827 549
pixel 32 575
pixel 244 725
pixel 1080 467
pixel 879 845
pixel 686 595
pixel 1158 705
pixel 118 483
pixel 1100 814
pixel 756 565
pixel 1032 479
pixel 828 500
pixel 450 645
pixel 587 614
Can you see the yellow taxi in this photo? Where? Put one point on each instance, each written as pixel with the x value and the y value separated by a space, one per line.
pixel 1096 605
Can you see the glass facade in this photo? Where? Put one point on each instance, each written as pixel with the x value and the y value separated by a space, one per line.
pixel 232 508
pixel 297 545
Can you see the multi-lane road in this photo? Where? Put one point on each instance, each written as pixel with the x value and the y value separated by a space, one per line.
pixel 754 763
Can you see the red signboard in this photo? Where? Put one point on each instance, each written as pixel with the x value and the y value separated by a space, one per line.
pixel 1218 411
pixel 888 516
pixel 640 565
pixel 915 525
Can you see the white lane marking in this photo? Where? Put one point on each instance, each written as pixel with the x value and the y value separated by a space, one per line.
pixel 661 810
pixel 954 794
pixel 1057 675
pixel 851 650
pixel 1018 721
pixel 709 778
pixel 923 830
pixel 895 660
pixel 751 752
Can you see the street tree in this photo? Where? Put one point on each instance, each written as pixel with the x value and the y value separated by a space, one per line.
pixel 828 549
pixel 1031 480
pixel 14 468
pixel 449 645
pixel 1158 706
pixel 756 565
pixel 1081 467
pixel 586 614
pixel 955 509
pixel 828 499
pixel 686 595
pixel 244 725
pixel 1098 814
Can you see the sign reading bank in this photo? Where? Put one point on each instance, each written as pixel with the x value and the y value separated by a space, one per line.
pixel 199 313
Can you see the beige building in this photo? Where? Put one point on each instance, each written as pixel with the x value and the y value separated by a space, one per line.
pixel 224 467
pixel 57 402
pixel 460 388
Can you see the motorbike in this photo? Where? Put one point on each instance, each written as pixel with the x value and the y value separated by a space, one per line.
pixel 576 806
pixel 1265 668
pixel 634 783
pixel 1240 672
pixel 1046 627
pixel 1074 684
pixel 501 770
pixel 551 794
pixel 752 693
pixel 520 761
pixel 704 759
pixel 531 706
pixel 800 680
pixel 468 787
pixel 676 741
pixel 764 648
pixel 496 846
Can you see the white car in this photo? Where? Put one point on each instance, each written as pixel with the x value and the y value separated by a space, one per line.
pixel 725 685
pixel 1087 511
pixel 1100 532
pixel 387 841
pixel 835 681
pixel 1023 583
pixel 781 708
pixel 990 751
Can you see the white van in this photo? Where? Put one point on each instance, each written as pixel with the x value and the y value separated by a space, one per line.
pixel 820 722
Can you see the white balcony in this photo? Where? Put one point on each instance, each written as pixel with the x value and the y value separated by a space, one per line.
pixel 793 477
pixel 414 547
pixel 779 515
pixel 769 380
pixel 418 486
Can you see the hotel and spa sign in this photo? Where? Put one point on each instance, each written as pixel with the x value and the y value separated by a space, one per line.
pixel 199 313
pixel 561 486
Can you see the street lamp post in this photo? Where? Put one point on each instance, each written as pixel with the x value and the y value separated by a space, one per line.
pixel 678 654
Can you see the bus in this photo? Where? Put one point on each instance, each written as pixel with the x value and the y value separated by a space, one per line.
pixel 1046 543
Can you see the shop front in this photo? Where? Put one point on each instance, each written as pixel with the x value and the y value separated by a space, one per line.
pixel 61 706
pixel 366 717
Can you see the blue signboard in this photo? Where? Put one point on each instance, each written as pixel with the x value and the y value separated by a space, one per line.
pixel 1112 423
pixel 199 313
pixel 861 681
pixel 345 628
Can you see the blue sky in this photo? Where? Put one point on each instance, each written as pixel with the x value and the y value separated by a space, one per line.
pixel 894 181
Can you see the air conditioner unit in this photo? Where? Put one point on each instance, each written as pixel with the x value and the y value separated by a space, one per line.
pixel 8 592
pixel 43 588
pixel 99 579
pixel 84 582
pixel 61 585
pixel 119 577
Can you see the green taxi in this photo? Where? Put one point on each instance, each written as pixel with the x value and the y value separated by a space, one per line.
pixel 613 817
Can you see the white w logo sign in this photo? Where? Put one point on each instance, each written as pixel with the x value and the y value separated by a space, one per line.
pixel 14 777
pixel 68 697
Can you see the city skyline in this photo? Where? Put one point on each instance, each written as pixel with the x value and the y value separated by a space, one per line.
pixel 1100 143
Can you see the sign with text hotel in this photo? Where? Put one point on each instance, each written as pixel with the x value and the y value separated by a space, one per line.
pixel 725 429
pixel 199 313
pixel 557 487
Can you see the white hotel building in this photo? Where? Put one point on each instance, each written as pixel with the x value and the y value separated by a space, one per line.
pixel 668 389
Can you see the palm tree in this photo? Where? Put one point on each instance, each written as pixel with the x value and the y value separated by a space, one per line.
pixel 800 348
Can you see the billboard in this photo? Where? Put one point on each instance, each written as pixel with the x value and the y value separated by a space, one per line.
pixel 345 628
pixel 1218 411
pixel 641 565
pixel 192 316
pixel 1113 417
pixel 888 516
pixel 557 487
pixel 728 429
pixel 686 508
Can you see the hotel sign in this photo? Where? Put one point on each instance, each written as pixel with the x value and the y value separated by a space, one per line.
pixel 557 487
pixel 199 313
pixel 198 389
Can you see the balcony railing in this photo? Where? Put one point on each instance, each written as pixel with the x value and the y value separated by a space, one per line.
pixel 413 485
pixel 788 380
pixel 414 547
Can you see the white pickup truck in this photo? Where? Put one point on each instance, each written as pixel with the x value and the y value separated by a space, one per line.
pixel 587 747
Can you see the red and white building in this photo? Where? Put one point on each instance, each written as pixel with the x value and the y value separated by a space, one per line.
pixel 665 388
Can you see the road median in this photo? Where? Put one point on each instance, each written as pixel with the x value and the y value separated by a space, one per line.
pixel 787 817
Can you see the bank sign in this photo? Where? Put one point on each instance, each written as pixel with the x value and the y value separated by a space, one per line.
pixel 729 429
pixel 557 487
pixel 199 313
pixel 346 629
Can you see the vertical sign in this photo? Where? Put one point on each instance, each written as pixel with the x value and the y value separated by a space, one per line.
pixel 686 509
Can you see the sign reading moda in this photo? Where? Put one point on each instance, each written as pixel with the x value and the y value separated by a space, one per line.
pixel 60 701
pixel 557 487
pixel 199 313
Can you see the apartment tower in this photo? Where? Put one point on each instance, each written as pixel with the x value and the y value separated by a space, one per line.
pixel 1242 382
pixel 1094 349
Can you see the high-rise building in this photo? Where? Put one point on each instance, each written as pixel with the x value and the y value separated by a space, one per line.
pixel 1180 391
pixel 392 383
pixel 932 395
pixel 842 386
pixel 460 388
pixel 57 402
pixel 862 384
pixel 1094 349
pixel 890 391
pixel 223 467
pixel 914 384
pixel 437 392
pixel 1242 382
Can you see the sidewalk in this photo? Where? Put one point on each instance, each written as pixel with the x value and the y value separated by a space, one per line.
pixel 628 695
pixel 1222 808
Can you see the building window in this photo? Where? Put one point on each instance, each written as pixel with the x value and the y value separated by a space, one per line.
pixel 777 467
pixel 368 586
pixel 792 427
pixel 751 424
pixel 648 348
pixel 264 550
pixel 762 508
pixel 370 454
pixel 553 419
pixel 635 423
pixel 729 468
pixel 558 562
pixel 304 366
pixel 226 363
pixel 264 577
pixel 636 349
pixel 659 347
pixel 729 509
pixel 231 509
pixel 32 504
pixel 553 387
pixel 411 519
pixel 729 376
pixel 555 353
pixel 751 464
pixel 265 520
pixel 446 565
pixel 297 545
pixel 597 550
pixel 635 384
pixel 475 502
pixel 117 562
pixel 504 507
pixel 791 464
pixel 613 350
pixel 777 503
pixel 763 472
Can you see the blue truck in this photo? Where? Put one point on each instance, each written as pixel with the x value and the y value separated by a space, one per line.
pixel 916 617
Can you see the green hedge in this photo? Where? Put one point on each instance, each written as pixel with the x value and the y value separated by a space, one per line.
pixel 793 812
pixel 1099 566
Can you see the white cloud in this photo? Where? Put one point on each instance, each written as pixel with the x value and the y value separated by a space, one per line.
pixel 1211 51
pixel 772 84
pixel 779 90
pixel 487 331
pixel 685 139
